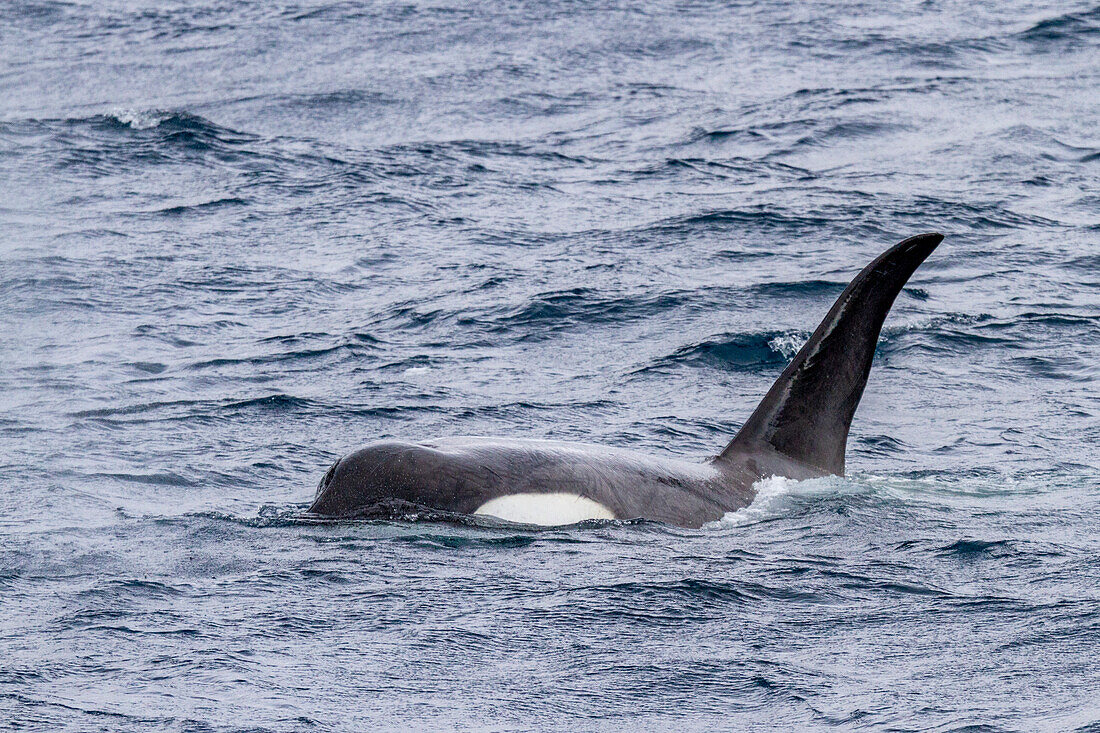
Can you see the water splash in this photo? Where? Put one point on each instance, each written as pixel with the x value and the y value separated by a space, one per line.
pixel 776 495
pixel 769 494
pixel 789 343
pixel 140 119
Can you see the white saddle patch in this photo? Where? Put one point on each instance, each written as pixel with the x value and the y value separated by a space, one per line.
pixel 546 509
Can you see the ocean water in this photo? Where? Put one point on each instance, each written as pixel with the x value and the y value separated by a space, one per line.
pixel 240 239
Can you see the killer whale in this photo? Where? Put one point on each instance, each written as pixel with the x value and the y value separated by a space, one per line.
pixel 799 430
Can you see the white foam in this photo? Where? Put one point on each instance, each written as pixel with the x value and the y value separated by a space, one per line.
pixel 547 510
pixel 140 120
pixel 769 492
pixel 788 343
pixel 777 495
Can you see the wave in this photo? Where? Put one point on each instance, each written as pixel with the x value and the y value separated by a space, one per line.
pixel 148 119
pixel 197 410
pixel 560 309
pixel 739 352
pixel 956 333
pixel 1068 27
pixel 134 141
pixel 817 289
pixel 762 217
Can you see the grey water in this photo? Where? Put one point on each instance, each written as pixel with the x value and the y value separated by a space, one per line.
pixel 240 239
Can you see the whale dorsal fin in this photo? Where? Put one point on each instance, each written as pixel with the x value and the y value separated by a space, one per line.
pixel 806 414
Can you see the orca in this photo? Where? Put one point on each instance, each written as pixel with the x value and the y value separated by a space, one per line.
pixel 798 431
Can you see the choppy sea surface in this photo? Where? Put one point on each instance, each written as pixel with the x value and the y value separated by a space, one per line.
pixel 240 239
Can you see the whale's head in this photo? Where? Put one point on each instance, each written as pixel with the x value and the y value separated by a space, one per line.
pixel 372 477
pixel 326 480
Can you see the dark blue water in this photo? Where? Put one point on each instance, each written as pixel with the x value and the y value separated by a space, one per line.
pixel 238 240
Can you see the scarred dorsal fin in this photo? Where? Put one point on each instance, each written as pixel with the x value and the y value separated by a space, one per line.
pixel 807 413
